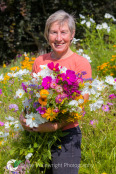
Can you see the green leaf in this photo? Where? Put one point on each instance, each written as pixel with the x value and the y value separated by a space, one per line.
pixel 35 145
pixel 16 163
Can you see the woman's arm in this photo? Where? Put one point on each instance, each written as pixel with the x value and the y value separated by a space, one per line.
pixel 44 127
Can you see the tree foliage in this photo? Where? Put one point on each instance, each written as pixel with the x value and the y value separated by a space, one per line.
pixel 23 21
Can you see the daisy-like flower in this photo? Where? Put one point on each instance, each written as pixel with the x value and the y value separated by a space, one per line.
pixel 13 107
pixel 24 87
pixel 41 110
pixel 90 88
pixel 53 84
pixel 58 98
pixel 33 119
pixel 19 93
pixel 93 122
pixel 81 16
pixel 62 69
pixel 42 101
pixel 70 77
pixel 50 114
pixel 9 118
pixel 105 108
pixel 53 67
pixel 110 80
pixel 101 85
pixel 10 165
pixel 59 88
pixel 75 107
pixel 44 93
pixel 46 82
pixel 1 123
pixel 96 105
pixel 88 24
pixel 112 96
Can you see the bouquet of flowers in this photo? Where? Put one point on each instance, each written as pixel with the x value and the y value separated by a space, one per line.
pixel 53 94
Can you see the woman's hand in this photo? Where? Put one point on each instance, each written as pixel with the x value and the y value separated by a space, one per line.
pixel 23 122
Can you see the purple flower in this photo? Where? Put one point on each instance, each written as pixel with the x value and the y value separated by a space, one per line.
pixel 0 91
pixel 105 108
pixel 13 107
pixel 53 67
pixel 70 77
pixel 110 104
pixel 1 123
pixel 46 82
pixel 93 122
pixel 35 104
pixel 112 96
pixel 24 87
pixel 41 110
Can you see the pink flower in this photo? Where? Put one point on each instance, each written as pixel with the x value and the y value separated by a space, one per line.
pixel 24 87
pixel 13 107
pixel 53 84
pixel 41 110
pixel 56 110
pixel 93 122
pixel 58 98
pixel 79 80
pixel 105 108
pixel 1 123
pixel 53 67
pixel 70 77
pixel 112 96
pixel 60 77
pixel 46 82
pixel 110 104
pixel 0 91
pixel 58 88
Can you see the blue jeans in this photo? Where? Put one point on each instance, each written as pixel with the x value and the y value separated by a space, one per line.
pixel 66 160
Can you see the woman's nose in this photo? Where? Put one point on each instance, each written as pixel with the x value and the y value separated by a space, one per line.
pixel 59 37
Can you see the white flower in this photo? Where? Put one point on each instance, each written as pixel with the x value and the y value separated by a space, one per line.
pixel 96 105
pixel 92 20
pixel 108 16
pixel 105 25
pixel 75 107
pixel 8 124
pixel 10 74
pixel 44 67
pixel 88 24
pixel 81 16
pixel 34 119
pixel 101 85
pixel 75 40
pixel 10 165
pixel 18 127
pixel 82 22
pixel 110 80
pixel 19 93
pixel 1 77
pixel 62 69
pixel 108 29
pixel 10 118
pixel 90 88
pixel 99 27
pixel 28 156
pixel 3 135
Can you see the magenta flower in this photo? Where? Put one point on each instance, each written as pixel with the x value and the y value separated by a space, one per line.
pixel 41 110
pixel 112 96
pixel 53 84
pixel 58 98
pixel 1 123
pixel 56 110
pixel 60 77
pixel 46 82
pixel 105 108
pixel 70 77
pixel 59 88
pixel 0 91
pixel 53 67
pixel 79 80
pixel 93 122
pixel 13 107
pixel 24 87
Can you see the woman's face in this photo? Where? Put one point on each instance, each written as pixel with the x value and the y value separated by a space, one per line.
pixel 60 37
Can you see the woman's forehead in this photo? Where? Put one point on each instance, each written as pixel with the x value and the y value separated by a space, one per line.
pixel 58 24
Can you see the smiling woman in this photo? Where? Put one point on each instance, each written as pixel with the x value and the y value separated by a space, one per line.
pixel 59 32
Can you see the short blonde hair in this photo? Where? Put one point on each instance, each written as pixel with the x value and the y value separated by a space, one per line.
pixel 60 16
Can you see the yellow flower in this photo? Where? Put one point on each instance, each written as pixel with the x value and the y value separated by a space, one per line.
pixel 63 111
pixel 42 101
pixel 16 68
pixel 79 97
pixel 113 55
pixel 59 147
pixel 44 93
pixel 104 173
pixel 49 114
pixel 4 66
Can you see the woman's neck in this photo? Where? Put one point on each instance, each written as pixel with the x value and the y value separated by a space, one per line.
pixel 55 55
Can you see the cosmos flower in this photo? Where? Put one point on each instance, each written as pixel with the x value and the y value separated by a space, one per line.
pixel 1 123
pixel 105 108
pixel 13 107
pixel 24 87
pixel 0 91
pixel 19 93
pixel 46 82
pixel 70 77
pixel 59 88
pixel 53 67
pixel 53 84
pixel 41 110
pixel 93 122
pixel 10 165
pixel 112 96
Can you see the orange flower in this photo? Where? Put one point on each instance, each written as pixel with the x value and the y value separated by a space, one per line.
pixel 44 93
pixel 50 114
pixel 42 101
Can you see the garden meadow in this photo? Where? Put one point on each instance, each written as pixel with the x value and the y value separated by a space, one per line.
pixel 97 124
